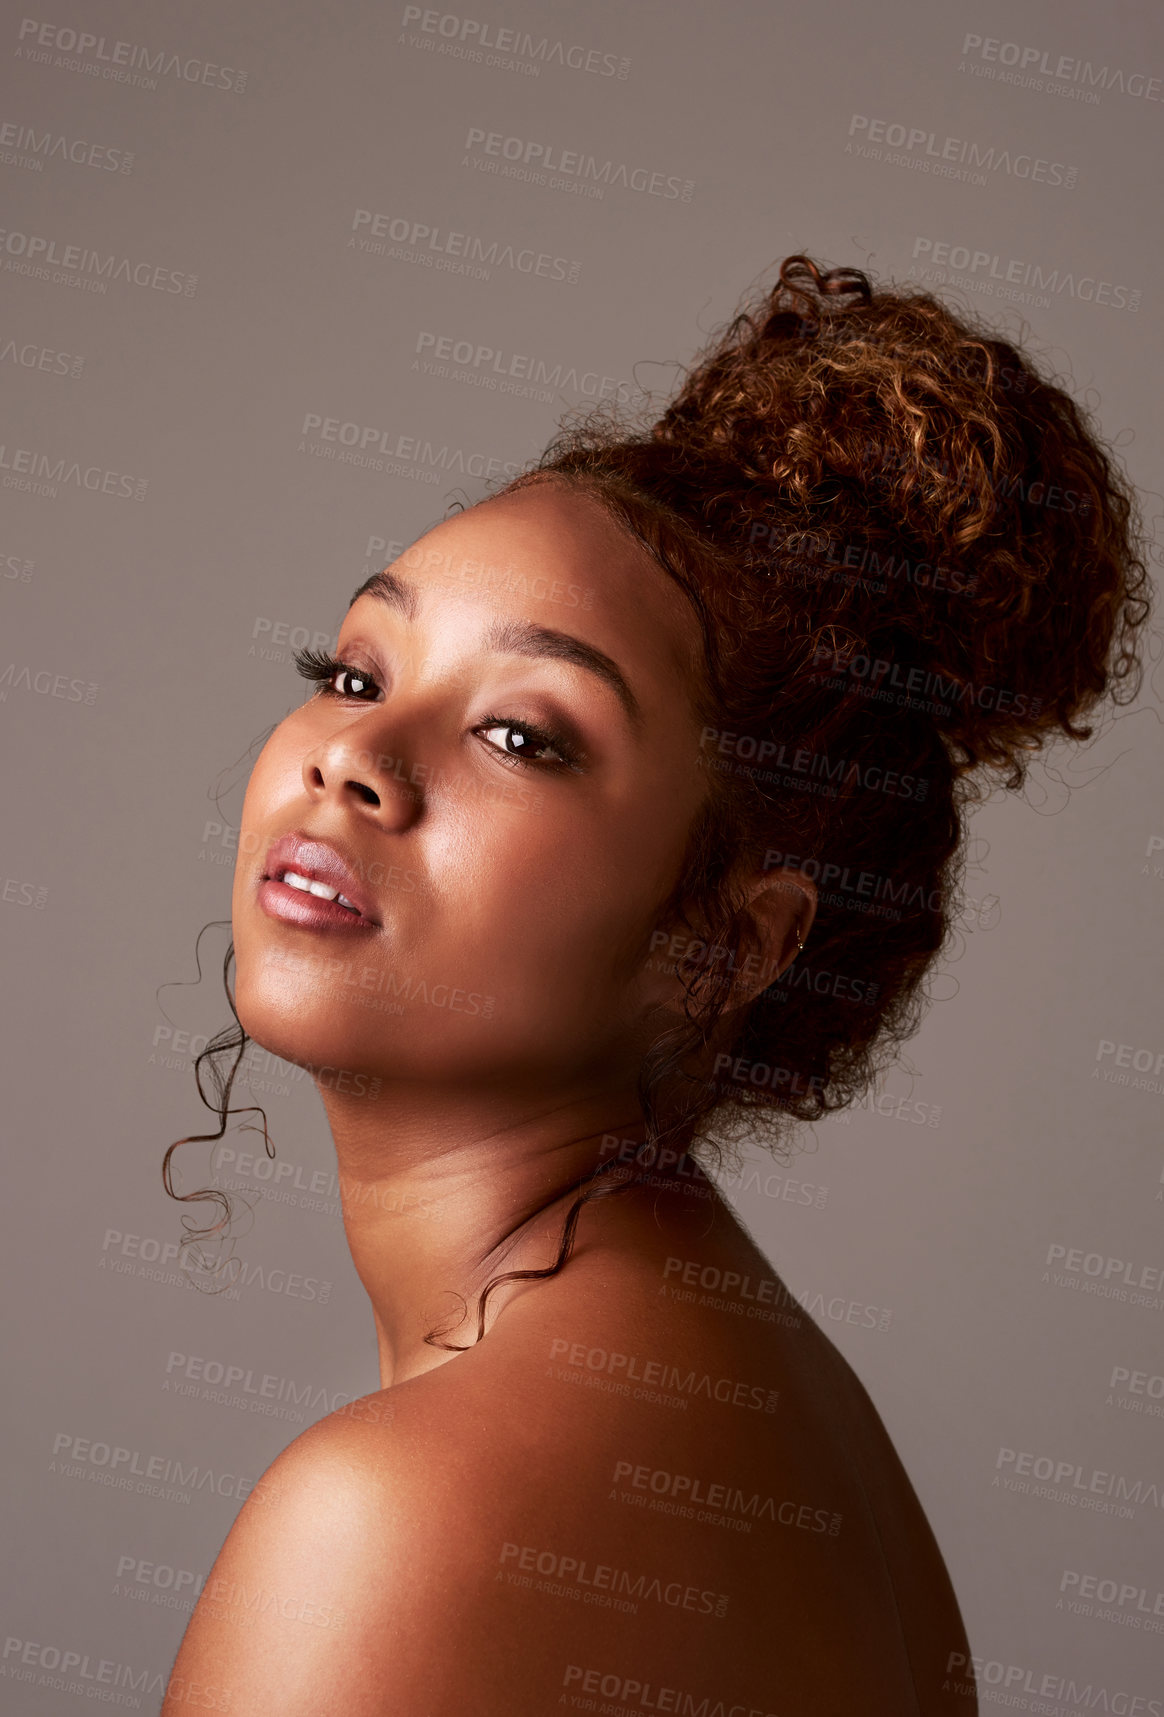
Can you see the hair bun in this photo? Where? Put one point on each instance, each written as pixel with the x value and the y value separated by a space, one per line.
pixel 966 548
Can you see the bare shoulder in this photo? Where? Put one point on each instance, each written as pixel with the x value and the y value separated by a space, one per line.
pixel 587 1501
pixel 334 1589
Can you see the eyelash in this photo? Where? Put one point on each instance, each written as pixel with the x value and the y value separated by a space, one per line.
pixel 322 668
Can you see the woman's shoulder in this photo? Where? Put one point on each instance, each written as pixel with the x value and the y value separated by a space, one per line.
pixel 632 1495
pixel 403 1458
pixel 334 1588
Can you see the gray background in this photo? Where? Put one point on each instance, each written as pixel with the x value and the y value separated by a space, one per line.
pixel 146 645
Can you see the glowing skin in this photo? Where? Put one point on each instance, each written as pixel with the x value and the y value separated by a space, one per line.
pixel 523 895
pixel 482 1018
pixel 533 886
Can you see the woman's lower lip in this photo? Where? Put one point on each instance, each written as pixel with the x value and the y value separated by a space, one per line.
pixel 309 911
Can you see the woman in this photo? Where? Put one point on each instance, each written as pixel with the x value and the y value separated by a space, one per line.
pixel 596 760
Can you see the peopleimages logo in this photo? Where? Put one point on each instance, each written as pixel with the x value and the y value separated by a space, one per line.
pixel 276 1397
pixel 124 1254
pixel 32 254
pixel 504 49
pixel 683 1494
pixel 398 455
pixel 104 1678
pixel 943 155
pixel 42 473
pixel 124 62
pixel 450 252
pixel 1123 1594
pixel 520 373
pixel 1012 277
pixel 561 1573
pixel 657 1373
pixel 1063 1689
pixel 1027 67
pixel 1073 1481
pixel 30 355
pixel 630 1694
pixel 47 684
pixel 1110 1278
pixel 26 147
pixel 567 169
pixel 150 1475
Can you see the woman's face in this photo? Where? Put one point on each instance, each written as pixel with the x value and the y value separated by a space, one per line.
pixel 500 784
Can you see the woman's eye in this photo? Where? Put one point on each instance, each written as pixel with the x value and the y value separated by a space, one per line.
pixel 333 677
pixel 351 683
pixel 521 742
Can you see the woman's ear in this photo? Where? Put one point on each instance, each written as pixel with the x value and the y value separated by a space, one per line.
pixel 778 907
pixel 781 905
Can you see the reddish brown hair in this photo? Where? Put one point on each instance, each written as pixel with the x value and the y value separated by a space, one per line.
pixel 914 562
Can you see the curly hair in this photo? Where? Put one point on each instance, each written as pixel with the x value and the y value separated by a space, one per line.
pixel 913 562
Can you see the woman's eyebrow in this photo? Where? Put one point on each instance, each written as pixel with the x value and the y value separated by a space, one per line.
pixel 524 638
pixel 516 638
pixel 387 587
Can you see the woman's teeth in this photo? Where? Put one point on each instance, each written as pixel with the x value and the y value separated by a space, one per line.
pixel 293 880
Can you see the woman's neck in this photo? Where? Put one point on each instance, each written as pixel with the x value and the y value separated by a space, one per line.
pixel 442 1193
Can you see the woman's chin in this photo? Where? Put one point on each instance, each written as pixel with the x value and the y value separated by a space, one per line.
pixel 281 1031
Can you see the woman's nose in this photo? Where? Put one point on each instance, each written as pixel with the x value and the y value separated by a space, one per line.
pixel 387 787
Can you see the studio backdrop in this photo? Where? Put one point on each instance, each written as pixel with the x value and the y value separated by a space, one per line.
pixel 280 284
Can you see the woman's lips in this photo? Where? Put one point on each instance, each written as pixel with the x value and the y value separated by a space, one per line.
pixel 300 873
pixel 282 900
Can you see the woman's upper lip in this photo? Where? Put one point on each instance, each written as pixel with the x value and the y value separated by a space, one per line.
pixel 319 861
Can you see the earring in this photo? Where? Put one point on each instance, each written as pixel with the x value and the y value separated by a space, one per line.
pixel 796 931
